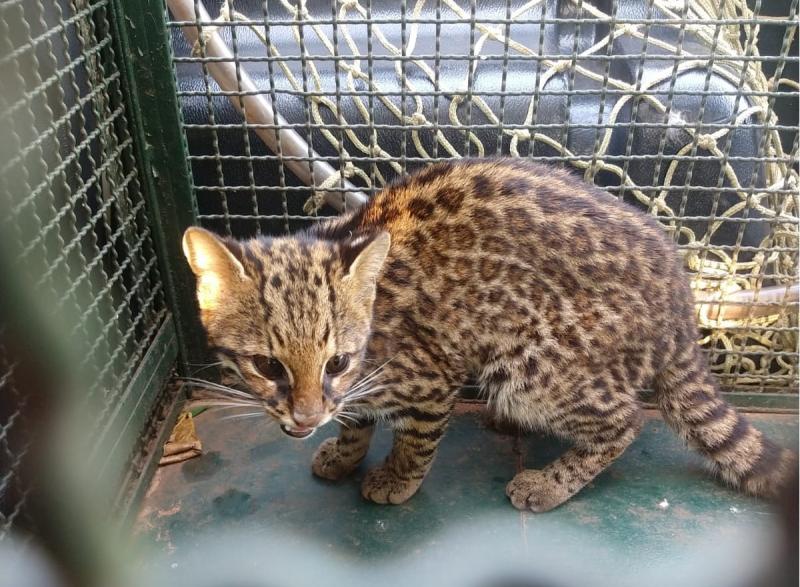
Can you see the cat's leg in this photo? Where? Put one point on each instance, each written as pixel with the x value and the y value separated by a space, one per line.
pixel 338 457
pixel 600 435
pixel 417 432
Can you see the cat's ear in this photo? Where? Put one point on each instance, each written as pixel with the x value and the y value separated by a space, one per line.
pixel 215 266
pixel 364 256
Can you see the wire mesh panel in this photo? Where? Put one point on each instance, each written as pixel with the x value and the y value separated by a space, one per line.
pixel 73 222
pixel 685 109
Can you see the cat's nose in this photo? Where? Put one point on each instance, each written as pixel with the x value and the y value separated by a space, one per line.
pixel 307 419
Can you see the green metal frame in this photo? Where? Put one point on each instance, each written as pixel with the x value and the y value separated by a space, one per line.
pixel 154 111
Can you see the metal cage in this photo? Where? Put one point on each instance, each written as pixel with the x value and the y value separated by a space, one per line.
pixel 123 122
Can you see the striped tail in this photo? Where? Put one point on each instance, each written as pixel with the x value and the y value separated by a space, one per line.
pixel 691 403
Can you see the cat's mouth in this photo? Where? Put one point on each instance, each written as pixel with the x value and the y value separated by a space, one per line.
pixel 297 432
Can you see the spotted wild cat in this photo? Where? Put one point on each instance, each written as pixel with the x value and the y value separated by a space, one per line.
pixel 561 300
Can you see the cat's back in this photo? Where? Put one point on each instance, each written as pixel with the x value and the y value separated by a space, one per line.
pixel 508 207
pixel 514 244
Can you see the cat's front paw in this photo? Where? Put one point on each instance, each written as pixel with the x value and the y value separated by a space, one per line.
pixel 533 490
pixel 330 463
pixel 382 485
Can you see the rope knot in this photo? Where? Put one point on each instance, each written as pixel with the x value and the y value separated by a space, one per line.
pixel 628 29
pixel 349 4
pixel 314 203
pixel 198 47
pixel 522 134
pixel 707 142
pixel 561 65
pixel 417 118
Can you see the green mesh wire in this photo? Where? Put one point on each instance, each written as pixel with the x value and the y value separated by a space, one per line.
pixel 73 213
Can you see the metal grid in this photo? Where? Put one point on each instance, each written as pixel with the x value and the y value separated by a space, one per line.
pixel 686 109
pixel 73 214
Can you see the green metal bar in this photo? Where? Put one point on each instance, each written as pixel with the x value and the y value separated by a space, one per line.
pixel 154 111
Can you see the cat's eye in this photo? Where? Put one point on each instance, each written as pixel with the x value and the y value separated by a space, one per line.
pixel 337 364
pixel 269 367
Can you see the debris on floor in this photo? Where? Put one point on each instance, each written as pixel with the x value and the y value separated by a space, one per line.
pixel 183 443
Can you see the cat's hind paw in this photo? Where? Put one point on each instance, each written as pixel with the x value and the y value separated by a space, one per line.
pixel 330 463
pixel 382 485
pixel 533 490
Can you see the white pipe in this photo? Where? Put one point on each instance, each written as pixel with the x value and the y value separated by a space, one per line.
pixel 258 108
pixel 770 301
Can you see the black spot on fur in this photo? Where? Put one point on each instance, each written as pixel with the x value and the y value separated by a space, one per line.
pixel 736 434
pixel 421 208
pixel 483 187
pixel 531 368
pixel 398 272
pixel 515 186
pixel 520 221
pixel 389 214
pixel 450 198
pixel 419 240
pixel 419 415
pixel 499 375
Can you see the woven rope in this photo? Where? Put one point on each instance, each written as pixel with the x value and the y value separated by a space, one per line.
pixel 717 272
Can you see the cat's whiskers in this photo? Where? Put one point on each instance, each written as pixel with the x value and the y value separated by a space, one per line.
pixel 232 367
pixel 361 388
pixel 223 403
pixel 242 416
pixel 374 373
pixel 364 393
pixel 341 422
pixel 363 383
pixel 349 415
pixel 218 387
pixel 204 366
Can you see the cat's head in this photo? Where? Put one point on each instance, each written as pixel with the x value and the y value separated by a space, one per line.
pixel 291 316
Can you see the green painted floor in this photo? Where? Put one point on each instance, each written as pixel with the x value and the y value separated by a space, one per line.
pixel 249 512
